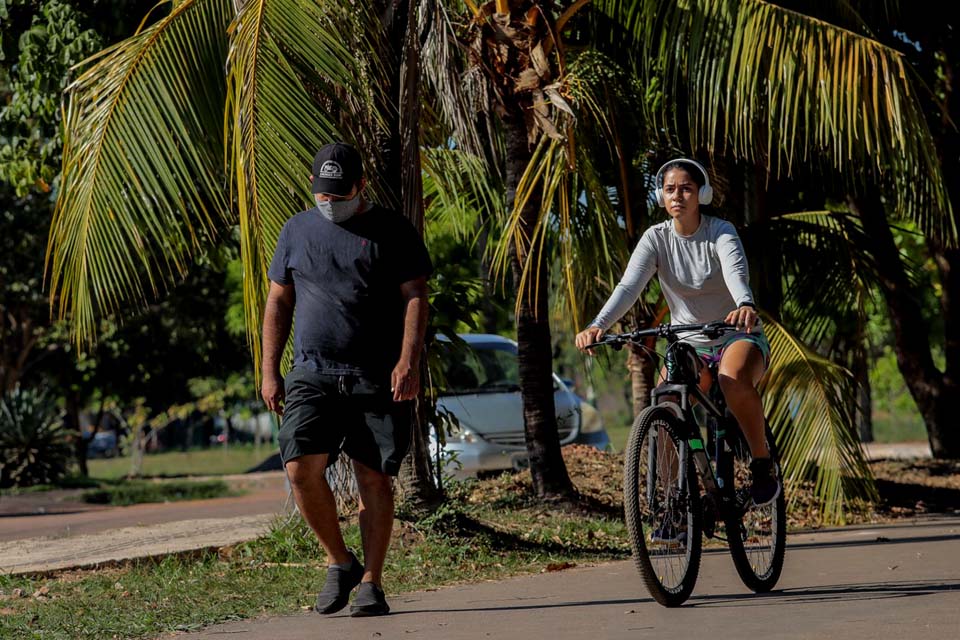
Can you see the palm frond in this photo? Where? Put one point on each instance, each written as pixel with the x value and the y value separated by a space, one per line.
pixel 142 184
pixel 846 274
pixel 459 192
pixel 444 64
pixel 293 85
pixel 809 402
pixel 578 224
pixel 779 87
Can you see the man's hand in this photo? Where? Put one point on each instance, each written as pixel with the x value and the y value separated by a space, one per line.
pixel 743 317
pixel 587 337
pixel 273 392
pixel 405 381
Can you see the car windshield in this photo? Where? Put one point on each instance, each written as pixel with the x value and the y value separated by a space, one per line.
pixel 482 368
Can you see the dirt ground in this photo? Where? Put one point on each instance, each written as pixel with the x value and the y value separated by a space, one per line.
pixel 907 488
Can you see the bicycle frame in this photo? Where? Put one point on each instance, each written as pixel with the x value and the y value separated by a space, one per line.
pixel 666 393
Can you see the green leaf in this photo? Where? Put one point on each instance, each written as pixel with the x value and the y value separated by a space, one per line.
pixel 809 402
pixel 294 84
pixel 142 189
pixel 779 87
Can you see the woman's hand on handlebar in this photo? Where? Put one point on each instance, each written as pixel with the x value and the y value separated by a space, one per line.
pixel 587 337
pixel 745 317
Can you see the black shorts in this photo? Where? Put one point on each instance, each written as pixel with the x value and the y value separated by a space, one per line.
pixel 327 413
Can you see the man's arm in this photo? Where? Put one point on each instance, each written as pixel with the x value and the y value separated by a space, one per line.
pixel 277 318
pixel 405 380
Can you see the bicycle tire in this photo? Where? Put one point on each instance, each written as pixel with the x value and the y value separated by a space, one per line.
pixel 759 565
pixel 642 517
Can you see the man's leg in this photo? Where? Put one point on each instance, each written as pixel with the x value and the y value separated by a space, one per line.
pixel 317 504
pixel 376 519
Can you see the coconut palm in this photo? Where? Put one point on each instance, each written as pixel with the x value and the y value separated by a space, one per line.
pixel 164 154
pixel 749 82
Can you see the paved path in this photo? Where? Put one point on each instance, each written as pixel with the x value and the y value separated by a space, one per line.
pixel 60 514
pixel 900 582
pixel 51 531
pixel 37 555
pixel 896 450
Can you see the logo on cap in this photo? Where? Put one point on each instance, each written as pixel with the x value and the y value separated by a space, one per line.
pixel 331 170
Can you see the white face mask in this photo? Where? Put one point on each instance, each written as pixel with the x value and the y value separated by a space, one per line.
pixel 338 211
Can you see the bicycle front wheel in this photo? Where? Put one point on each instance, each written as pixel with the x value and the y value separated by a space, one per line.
pixel 757 535
pixel 662 506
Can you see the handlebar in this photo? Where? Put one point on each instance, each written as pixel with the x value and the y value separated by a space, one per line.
pixel 710 330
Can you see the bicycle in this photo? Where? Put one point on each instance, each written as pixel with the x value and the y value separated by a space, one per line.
pixel 666 464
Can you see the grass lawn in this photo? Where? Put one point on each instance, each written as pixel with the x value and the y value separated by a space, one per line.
pixel 618 432
pixel 464 541
pixel 898 427
pixel 488 529
pixel 217 460
pixel 129 492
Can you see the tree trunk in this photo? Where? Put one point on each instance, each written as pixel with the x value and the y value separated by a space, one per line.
pixel 864 408
pixel 73 422
pixel 937 395
pixel 419 488
pixel 535 357
pixel 642 374
pixel 402 172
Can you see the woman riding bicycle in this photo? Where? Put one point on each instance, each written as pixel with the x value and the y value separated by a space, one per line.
pixel 702 270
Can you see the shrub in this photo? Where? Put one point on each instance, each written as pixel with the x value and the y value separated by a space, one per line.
pixel 34 444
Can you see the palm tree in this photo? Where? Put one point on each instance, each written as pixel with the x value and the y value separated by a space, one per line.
pixel 768 69
pixel 164 155
pixel 842 85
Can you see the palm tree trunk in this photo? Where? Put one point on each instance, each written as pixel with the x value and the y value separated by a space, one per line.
pixel 73 422
pixel 864 410
pixel 535 356
pixel 402 172
pixel 937 395
pixel 641 367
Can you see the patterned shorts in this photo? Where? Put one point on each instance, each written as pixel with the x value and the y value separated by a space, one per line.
pixel 713 353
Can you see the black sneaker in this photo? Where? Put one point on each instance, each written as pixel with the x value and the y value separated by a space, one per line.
pixel 369 601
pixel 765 487
pixel 340 582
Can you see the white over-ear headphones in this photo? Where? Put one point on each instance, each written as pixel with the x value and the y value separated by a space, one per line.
pixel 704 196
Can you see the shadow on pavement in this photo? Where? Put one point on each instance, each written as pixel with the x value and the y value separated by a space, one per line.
pixel 527 607
pixel 877 540
pixel 828 593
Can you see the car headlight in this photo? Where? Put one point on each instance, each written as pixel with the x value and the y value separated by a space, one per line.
pixel 459 432
pixel 590 420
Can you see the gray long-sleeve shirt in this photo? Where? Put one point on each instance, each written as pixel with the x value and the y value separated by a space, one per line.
pixel 703 276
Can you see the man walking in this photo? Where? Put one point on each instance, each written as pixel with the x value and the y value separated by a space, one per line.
pixel 352 275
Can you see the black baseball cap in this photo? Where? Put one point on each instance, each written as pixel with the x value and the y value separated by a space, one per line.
pixel 336 168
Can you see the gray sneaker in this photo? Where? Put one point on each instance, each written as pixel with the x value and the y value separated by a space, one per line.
pixel 369 601
pixel 340 582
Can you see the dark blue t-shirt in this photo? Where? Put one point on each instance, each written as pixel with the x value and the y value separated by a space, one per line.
pixel 349 312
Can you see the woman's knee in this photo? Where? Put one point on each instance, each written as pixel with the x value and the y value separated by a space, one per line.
pixel 736 386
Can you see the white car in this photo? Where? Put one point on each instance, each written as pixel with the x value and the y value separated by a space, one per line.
pixel 482 389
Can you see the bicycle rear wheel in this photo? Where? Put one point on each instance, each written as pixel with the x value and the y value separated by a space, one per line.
pixel 757 536
pixel 662 506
